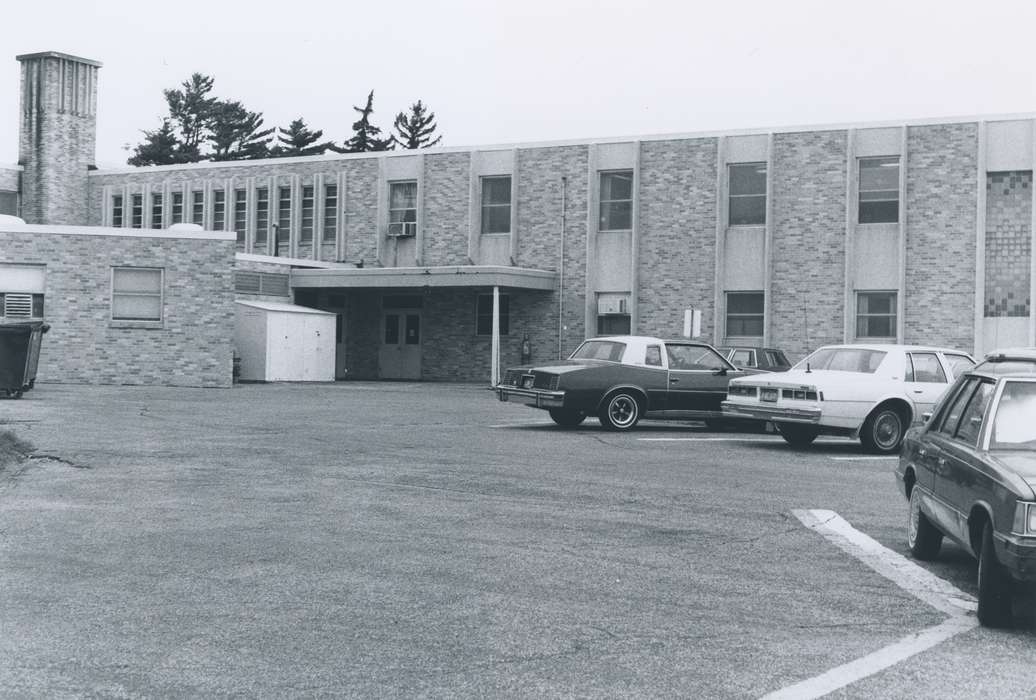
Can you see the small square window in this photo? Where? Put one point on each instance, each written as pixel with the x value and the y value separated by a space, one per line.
pixel 745 314
pixel 136 293
pixel 876 314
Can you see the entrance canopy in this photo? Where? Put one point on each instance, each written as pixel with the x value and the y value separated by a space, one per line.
pixel 420 277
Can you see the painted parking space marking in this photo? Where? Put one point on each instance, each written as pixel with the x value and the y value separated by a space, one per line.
pixel 864 458
pixel 917 581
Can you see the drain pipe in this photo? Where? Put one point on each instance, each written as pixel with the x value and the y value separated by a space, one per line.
pixel 561 270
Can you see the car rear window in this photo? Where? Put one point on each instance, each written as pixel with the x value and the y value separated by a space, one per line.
pixel 599 350
pixel 844 360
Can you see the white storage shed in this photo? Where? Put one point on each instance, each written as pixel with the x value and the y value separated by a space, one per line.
pixel 280 342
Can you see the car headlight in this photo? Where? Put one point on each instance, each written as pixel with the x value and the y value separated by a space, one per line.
pixel 1024 519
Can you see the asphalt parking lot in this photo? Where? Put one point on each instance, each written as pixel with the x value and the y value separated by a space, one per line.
pixel 425 540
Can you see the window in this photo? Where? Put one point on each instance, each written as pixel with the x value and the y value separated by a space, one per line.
pixel 484 315
pixel 745 313
pixel 283 232
pixel 653 356
pixel 198 207
pixel 330 213
pixel 611 350
pixel 306 234
pixel 971 420
pixel 924 367
pixel 747 199
pixel 156 210
pixel 616 201
pixel 403 208
pixel 496 204
pixel 1013 427
pixel 743 357
pixel 844 360
pixel 879 190
pixel 117 211
pixel 958 363
pixel 614 324
pixel 219 210
pixel 951 417
pixel 177 212
pixel 694 358
pixel 262 215
pixel 137 293
pixel 240 214
pixel 17 306
pixel 875 314
pixel 137 214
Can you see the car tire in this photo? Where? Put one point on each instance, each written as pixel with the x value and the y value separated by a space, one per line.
pixel 797 435
pixel 883 431
pixel 994 585
pixel 566 418
pixel 923 538
pixel 620 411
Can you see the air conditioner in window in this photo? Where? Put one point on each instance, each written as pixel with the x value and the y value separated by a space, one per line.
pixel 402 230
pixel 612 305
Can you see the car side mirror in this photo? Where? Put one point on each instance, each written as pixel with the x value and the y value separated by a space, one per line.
pixel 925 417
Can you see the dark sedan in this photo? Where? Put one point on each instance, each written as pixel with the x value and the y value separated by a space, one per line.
pixel 622 379
pixel 969 474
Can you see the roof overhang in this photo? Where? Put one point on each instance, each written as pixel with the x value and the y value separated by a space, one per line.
pixel 421 277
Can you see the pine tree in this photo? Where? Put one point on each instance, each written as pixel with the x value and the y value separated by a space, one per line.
pixel 236 133
pixel 160 147
pixel 299 140
pixel 365 135
pixel 415 130
pixel 191 110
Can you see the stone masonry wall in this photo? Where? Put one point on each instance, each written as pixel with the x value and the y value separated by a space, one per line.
pixel 808 257
pixel 192 346
pixel 942 191
pixel 677 234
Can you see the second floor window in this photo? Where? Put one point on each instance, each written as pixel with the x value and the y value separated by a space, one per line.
pixel 137 213
pixel 616 201
pixel 198 207
pixel 117 211
pixel 306 234
pixel 219 210
pixel 262 215
pixel 403 208
pixel 156 210
pixel 879 190
pixel 496 204
pixel 283 216
pixel 177 208
pixel 240 214
pixel 330 213
pixel 747 202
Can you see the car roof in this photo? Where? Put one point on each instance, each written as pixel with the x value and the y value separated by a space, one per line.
pixel 1004 354
pixel 646 339
pixel 885 347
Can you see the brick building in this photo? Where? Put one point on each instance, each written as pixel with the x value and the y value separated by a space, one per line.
pixel 917 232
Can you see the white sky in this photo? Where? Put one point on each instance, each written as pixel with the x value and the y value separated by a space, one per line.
pixel 537 70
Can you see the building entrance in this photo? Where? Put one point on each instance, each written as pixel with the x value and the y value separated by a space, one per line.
pixel 400 354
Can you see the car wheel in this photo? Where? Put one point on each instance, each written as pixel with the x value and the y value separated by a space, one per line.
pixel 620 411
pixel 883 430
pixel 923 538
pixel 567 418
pixel 797 435
pixel 994 585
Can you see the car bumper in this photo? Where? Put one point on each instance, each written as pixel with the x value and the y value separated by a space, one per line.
pixel 780 414
pixel 538 398
pixel 1018 555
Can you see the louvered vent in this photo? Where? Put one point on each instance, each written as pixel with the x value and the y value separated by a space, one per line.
pixel 18 305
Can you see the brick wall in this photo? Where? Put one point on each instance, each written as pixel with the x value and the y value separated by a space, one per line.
pixel 808 256
pixel 191 348
pixel 445 218
pixel 677 234
pixel 942 166
pixel 1008 243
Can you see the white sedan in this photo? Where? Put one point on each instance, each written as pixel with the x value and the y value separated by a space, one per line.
pixel 870 392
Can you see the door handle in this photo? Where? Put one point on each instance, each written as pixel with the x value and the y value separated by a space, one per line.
pixel 673 380
pixel 918 391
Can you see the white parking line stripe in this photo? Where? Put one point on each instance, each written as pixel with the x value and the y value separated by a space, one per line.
pixel 883 658
pixel 915 580
pixel 861 459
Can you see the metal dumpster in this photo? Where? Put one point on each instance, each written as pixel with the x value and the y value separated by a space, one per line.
pixel 19 356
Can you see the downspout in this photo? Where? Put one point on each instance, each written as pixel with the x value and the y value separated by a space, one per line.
pixel 561 270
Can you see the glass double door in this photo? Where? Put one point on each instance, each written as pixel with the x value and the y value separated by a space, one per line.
pixel 399 356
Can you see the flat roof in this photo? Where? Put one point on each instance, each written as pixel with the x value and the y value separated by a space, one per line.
pixel 118 232
pixel 58 54
pixel 421 277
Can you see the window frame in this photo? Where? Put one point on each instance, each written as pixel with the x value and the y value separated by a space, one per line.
pixel 219 209
pixel 604 206
pixel 241 214
pixel 115 293
pixel 137 210
pixel 118 211
pixel 487 207
pixel 744 317
pixel 880 162
pixel 329 229
pixel 404 228
pixel 307 219
pixel 892 315
pixel 176 208
pixel 262 216
pixel 744 196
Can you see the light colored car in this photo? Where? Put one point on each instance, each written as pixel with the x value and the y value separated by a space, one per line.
pixel 870 392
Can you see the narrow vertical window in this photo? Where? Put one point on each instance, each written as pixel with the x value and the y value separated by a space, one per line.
pixel 198 207
pixel 616 201
pixel 177 210
pixel 747 200
pixel 496 204
pixel 403 208
pixel 330 213
pixel 306 233
pixel 219 210
pixel 136 294
pixel 117 215
pixel 240 214
pixel 137 214
pixel 156 210
pixel 262 215
pixel 879 190
pixel 745 314
pixel 876 314
pixel 283 218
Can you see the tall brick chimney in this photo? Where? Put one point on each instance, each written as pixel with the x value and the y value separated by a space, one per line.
pixel 57 137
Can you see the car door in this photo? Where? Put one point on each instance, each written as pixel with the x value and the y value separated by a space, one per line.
pixel 698 377
pixel 925 381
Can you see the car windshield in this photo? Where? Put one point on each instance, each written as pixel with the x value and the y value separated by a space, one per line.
pixel 611 350
pixel 1014 425
pixel 844 360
